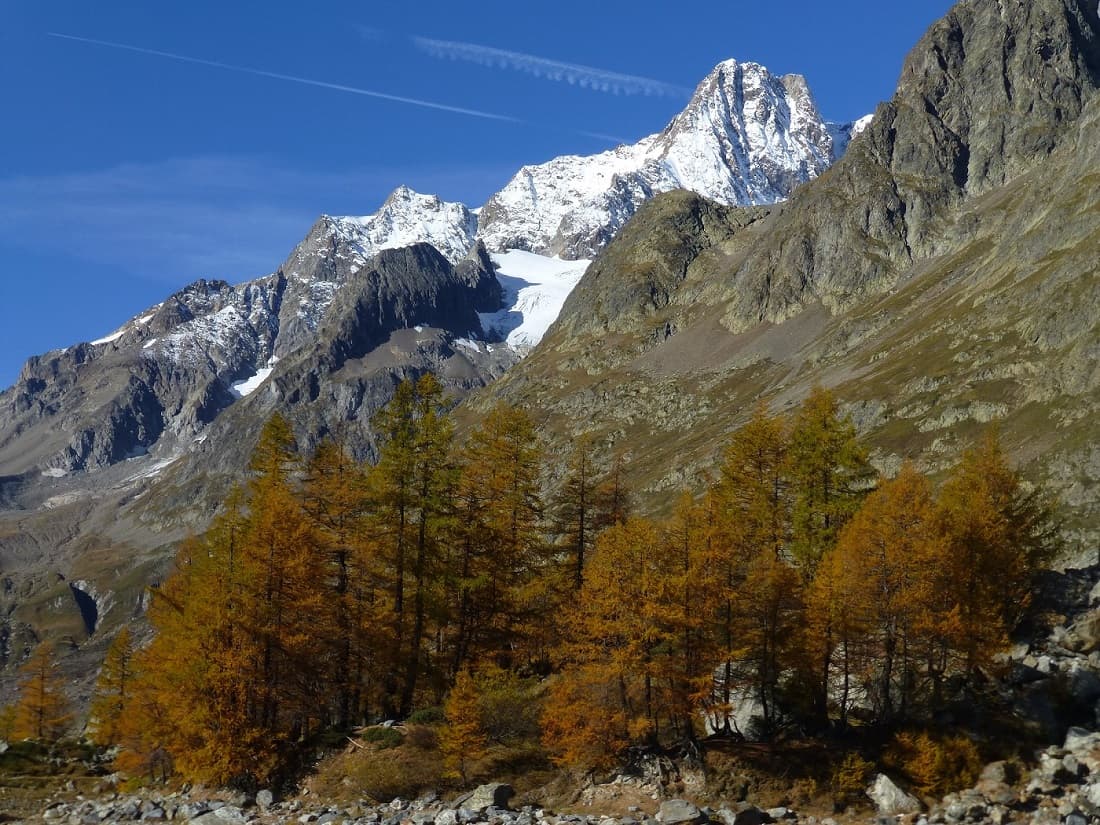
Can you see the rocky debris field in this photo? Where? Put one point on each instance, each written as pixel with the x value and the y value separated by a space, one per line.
pixel 1064 787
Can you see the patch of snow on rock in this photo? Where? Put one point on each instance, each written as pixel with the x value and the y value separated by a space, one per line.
pixel 109 339
pixel 250 384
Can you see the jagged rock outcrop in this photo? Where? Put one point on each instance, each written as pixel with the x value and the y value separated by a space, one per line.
pixel 985 96
pixel 648 264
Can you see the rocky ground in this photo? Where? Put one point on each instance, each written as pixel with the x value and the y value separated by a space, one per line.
pixel 1063 788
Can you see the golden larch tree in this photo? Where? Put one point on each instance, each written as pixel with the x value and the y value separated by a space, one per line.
pixel 462 740
pixel 43 711
pixel 115 679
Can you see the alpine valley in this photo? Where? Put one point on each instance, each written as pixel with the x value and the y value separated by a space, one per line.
pixel 934 265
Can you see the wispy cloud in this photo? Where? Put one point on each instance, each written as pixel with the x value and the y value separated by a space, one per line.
pixel 170 221
pixel 339 87
pixel 586 77
pixel 231 217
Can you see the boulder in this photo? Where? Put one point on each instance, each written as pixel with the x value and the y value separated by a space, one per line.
pixel 1053 770
pixel 492 795
pixel 997 793
pixel 744 815
pixel 192 810
pixel 265 799
pixel 224 815
pixel 889 799
pixel 1084 636
pixel 1002 773
pixel 677 811
pixel 1080 740
pixel 210 818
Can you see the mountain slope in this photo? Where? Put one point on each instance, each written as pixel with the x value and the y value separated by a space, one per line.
pixel 160 434
pixel 941 276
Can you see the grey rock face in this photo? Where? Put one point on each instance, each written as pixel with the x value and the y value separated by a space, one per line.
pixel 983 97
pixel 646 268
pixel 402 288
pixel 170 372
pixel 492 795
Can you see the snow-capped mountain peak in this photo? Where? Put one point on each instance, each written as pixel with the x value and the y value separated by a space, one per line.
pixel 746 137
pixel 408 217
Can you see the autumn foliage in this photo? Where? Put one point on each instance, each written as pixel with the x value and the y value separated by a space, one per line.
pixel 798 588
pixel 42 712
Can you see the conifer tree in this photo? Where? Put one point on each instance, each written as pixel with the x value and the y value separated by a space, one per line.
pixel 881 581
pixel 694 598
pixel 229 681
pixel 754 483
pixel 576 509
pixel 995 537
pixel 830 475
pixel 42 711
pixel 462 741
pixel 837 643
pixel 115 679
pixel 753 520
pixel 499 488
pixel 588 722
pixel 412 490
pixel 335 501
pixel 766 625
pixel 724 554
pixel 282 593
pixel 613 499
pixel 619 642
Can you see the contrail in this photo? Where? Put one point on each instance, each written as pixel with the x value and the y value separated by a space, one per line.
pixel 412 101
pixel 574 74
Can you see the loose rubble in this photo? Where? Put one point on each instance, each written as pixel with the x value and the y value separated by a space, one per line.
pixel 1063 788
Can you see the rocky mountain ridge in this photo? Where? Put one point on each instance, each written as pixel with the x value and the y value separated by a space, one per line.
pixel 940 277
pixel 745 136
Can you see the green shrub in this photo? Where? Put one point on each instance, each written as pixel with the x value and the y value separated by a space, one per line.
pixel 383 737
pixel 427 716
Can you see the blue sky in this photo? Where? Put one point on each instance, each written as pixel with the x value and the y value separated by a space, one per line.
pixel 126 174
